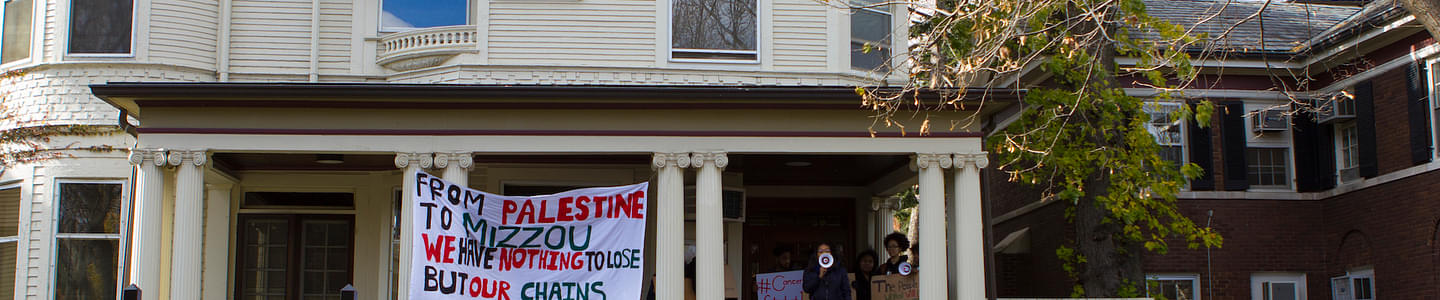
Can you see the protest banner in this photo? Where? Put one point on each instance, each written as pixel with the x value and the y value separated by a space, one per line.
pixel 579 244
pixel 780 285
pixel 894 287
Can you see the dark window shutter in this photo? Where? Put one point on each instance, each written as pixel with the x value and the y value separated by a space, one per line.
pixel 1365 129
pixel 1201 154
pixel 1312 169
pixel 1326 155
pixel 1233 145
pixel 1419 115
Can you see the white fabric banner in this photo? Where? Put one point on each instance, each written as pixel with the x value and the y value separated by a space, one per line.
pixel 780 285
pixel 580 244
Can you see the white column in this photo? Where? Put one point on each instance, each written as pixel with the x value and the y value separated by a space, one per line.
pixel 884 214
pixel 456 165
pixel 185 245
pixel 217 241
pixel 709 226
pixel 670 225
pixel 411 162
pixel 969 227
pixel 145 242
pixel 932 264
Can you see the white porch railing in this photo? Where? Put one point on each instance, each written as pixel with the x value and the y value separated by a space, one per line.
pixel 434 44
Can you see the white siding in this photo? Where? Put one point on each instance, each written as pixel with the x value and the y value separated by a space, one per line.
pixel 270 36
pixel 586 33
pixel 37 252
pixel 50 35
pixel 335 32
pixel 799 35
pixel 182 32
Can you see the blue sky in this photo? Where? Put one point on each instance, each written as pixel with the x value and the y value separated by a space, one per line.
pixel 424 13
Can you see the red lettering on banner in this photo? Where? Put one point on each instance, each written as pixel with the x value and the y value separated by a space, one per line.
pixel 600 206
pixel 432 250
pixel 527 211
pixel 449 248
pixel 637 204
pixel 624 205
pixel 582 203
pixel 506 209
pixel 543 209
pixel 564 210
pixel 577 262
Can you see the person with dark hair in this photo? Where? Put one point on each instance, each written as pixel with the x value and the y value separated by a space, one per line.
pixel 826 283
pixel 894 243
pixel 783 260
pixel 864 268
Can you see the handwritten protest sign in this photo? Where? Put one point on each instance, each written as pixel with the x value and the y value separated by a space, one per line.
pixel 580 244
pixel 894 287
pixel 780 285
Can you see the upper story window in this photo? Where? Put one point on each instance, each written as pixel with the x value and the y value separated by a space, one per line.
pixel 713 29
pixel 15 41
pixel 100 26
pixel 1347 151
pixel 1167 131
pixel 870 36
pixel 1268 168
pixel 400 15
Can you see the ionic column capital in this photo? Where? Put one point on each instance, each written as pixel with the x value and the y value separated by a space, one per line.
pixel 180 157
pixel 461 159
pixel 878 203
pixel 931 160
pixel 419 159
pixel 139 156
pixel 965 160
pixel 660 160
pixel 718 158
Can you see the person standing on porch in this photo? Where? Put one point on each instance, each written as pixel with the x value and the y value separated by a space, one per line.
pixel 894 243
pixel 864 268
pixel 826 279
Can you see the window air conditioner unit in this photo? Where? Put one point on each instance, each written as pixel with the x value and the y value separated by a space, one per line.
pixel 1269 120
pixel 1334 110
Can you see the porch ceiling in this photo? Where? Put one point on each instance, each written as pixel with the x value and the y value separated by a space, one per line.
pixel 758 169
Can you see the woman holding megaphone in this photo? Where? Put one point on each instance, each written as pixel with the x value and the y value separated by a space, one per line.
pixel 825 279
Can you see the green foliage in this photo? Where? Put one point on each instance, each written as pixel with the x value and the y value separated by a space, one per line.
pixel 1080 135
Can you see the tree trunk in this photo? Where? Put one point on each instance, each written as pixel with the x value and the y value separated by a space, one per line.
pixel 1427 12
pixel 912 231
pixel 1112 263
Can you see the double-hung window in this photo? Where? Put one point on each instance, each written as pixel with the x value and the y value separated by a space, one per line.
pixel 402 15
pixel 1173 286
pixel 9 238
pixel 1268 167
pixel 15 39
pixel 713 30
pixel 87 240
pixel 1168 131
pixel 1347 151
pixel 100 27
pixel 870 36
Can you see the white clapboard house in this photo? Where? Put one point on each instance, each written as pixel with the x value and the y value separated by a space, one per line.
pixel 264 140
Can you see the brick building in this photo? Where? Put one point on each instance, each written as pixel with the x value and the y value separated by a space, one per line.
pixel 1332 203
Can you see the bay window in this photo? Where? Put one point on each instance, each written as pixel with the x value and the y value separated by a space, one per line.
pixel 100 26
pixel 15 40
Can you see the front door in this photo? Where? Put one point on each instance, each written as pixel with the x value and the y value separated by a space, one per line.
pixel 294 257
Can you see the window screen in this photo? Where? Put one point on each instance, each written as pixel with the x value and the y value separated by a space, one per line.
pixel 100 26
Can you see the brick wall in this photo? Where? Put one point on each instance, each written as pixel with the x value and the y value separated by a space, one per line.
pixel 1259 236
pixel 1391 227
pixel 1392 127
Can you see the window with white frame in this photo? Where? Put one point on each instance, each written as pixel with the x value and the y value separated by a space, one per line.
pixel 1168 131
pixel 1357 284
pixel 1277 286
pixel 87 240
pixel 713 29
pixel 9 238
pixel 15 38
pixel 1173 286
pixel 1268 167
pixel 100 26
pixel 401 15
pixel 870 36
pixel 1347 151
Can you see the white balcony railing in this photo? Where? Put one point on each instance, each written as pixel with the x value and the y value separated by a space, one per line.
pixel 427 47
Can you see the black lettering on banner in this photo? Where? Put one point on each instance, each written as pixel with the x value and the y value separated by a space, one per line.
pixel 428 214
pixel 478 198
pixel 436 187
pixel 445 217
pixel 549 236
pixel 453 194
pixel 432 279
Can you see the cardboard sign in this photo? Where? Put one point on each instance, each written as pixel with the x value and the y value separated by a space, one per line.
pixel 579 244
pixel 780 285
pixel 894 287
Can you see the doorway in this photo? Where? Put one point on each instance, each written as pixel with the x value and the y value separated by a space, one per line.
pixel 797 225
pixel 293 256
